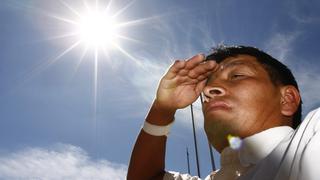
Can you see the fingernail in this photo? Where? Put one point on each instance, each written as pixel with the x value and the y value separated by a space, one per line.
pixel 211 64
pixel 203 55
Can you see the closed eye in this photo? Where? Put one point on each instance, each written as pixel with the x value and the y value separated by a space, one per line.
pixel 237 76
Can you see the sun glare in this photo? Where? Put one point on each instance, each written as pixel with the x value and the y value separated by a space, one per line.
pixel 97 29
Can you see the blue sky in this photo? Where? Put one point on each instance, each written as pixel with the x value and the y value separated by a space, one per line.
pixel 53 119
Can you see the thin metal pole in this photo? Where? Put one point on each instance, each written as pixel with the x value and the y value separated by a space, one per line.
pixel 188 161
pixel 211 157
pixel 210 148
pixel 195 142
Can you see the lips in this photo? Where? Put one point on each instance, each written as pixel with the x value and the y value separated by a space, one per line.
pixel 216 105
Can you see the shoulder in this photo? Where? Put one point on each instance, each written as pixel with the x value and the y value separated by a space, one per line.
pixel 312 121
pixel 307 147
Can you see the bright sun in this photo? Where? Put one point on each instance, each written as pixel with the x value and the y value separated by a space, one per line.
pixel 97 29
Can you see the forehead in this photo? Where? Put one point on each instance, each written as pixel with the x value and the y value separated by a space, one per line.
pixel 241 59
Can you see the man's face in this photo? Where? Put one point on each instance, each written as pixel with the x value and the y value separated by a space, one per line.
pixel 240 100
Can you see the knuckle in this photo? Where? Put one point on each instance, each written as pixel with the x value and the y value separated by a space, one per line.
pixel 192 74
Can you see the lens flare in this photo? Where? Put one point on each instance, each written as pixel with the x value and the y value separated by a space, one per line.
pixel 234 142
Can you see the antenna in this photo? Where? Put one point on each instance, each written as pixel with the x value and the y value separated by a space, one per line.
pixel 188 160
pixel 195 141
pixel 211 157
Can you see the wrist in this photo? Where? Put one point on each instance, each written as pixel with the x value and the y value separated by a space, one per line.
pixel 156 130
pixel 160 115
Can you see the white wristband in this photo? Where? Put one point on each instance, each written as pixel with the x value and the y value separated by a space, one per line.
pixel 156 130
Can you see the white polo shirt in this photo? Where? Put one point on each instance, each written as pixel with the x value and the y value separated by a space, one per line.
pixel 277 153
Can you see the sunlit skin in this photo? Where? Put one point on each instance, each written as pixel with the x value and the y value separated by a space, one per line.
pixel 240 100
pixel 184 82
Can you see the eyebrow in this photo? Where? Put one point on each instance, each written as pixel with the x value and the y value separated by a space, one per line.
pixel 237 63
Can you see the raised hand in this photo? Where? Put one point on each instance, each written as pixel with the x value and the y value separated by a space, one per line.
pixel 183 82
pixel 178 88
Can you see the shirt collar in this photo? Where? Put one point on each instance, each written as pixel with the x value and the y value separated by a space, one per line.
pixel 258 146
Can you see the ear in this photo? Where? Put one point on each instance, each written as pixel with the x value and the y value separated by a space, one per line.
pixel 290 100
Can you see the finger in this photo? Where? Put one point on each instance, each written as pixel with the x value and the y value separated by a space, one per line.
pixel 194 61
pixel 202 69
pixel 181 80
pixel 174 69
pixel 206 66
pixel 192 82
pixel 185 80
pixel 183 72
pixel 209 74
pixel 204 76
pixel 201 77
pixel 216 68
pixel 200 86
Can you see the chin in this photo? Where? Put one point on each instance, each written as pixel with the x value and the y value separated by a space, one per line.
pixel 222 126
pixel 217 116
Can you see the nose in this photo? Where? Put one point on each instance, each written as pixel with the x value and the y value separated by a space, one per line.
pixel 212 91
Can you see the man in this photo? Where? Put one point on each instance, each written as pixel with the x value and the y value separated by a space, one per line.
pixel 247 94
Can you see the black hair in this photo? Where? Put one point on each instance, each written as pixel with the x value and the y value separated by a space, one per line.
pixel 279 73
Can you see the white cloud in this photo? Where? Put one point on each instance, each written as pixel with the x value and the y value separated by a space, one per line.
pixel 60 162
pixel 147 77
pixel 305 12
pixel 305 19
pixel 280 45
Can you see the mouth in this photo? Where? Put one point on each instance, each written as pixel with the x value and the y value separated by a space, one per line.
pixel 216 105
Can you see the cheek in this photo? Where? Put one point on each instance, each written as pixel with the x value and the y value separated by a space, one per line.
pixel 254 99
